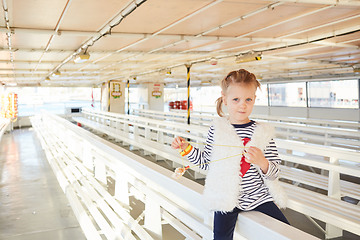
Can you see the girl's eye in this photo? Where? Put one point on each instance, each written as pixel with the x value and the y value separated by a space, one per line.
pixel 249 99
pixel 236 99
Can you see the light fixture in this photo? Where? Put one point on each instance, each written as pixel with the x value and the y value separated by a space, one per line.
pixel 213 61
pixel 356 68
pixel 47 79
pixel 168 72
pixel 205 82
pixel 82 57
pixel 56 73
pixel 248 57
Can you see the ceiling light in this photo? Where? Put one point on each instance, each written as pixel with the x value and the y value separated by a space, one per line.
pixel 248 57
pixel 47 79
pixel 213 61
pixel 356 69
pixel 56 73
pixel 82 57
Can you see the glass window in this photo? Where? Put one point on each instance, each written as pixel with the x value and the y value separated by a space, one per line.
pixel 336 94
pixel 288 94
pixel 202 98
pixel 262 95
pixel 58 100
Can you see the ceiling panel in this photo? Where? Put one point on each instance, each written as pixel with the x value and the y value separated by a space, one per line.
pixel 90 15
pixel 113 43
pixel 215 16
pixel 27 56
pixel 155 15
pixel 265 18
pixel 3 41
pixel 43 14
pixel 29 41
pixel 67 42
pixel 314 20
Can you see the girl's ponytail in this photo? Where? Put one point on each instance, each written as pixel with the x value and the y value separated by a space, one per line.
pixel 219 102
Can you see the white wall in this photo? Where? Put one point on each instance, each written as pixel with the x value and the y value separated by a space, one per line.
pixel 156 96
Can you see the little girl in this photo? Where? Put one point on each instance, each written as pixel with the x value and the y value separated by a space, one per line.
pixel 240 156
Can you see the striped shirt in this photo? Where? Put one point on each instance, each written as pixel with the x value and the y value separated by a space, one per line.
pixel 254 192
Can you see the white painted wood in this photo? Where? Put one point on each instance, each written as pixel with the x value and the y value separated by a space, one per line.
pixel 343 161
pixel 326 132
pixel 181 198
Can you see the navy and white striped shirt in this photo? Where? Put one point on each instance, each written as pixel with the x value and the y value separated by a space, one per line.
pixel 254 192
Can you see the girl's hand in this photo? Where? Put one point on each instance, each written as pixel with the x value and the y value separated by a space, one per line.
pixel 179 142
pixel 255 156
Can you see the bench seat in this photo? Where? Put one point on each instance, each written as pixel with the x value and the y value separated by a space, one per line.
pixel 319 181
pixel 336 212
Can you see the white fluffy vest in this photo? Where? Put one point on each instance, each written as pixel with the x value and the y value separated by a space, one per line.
pixel 223 183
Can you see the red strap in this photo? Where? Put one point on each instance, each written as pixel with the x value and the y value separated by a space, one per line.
pixel 245 166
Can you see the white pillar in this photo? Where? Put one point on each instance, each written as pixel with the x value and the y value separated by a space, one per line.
pixel 113 96
pixel 156 96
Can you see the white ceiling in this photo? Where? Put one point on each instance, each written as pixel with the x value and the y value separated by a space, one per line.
pixel 144 39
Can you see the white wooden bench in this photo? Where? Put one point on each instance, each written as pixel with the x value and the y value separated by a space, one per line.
pixel 330 136
pixel 82 163
pixel 306 131
pixel 326 158
pixel 300 176
pixel 150 143
pixel 302 120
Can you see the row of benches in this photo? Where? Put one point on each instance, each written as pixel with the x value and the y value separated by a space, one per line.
pixel 83 164
pixel 336 133
pixel 308 121
pixel 154 136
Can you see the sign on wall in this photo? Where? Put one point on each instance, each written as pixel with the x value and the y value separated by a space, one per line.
pixel 157 91
pixel 116 90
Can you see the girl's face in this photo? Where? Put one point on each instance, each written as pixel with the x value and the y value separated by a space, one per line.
pixel 239 99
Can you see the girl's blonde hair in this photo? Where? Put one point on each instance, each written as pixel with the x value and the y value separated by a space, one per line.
pixel 239 76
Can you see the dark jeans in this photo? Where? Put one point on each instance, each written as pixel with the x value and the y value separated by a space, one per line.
pixel 224 223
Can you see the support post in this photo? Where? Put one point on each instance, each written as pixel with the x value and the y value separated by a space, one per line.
pixel 153 216
pixel 188 66
pixel 87 156
pixel 100 171
pixel 122 188
pixel 333 192
pixel 128 96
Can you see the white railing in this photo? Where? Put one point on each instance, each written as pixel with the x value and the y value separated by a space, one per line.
pixel 83 164
pixel 333 160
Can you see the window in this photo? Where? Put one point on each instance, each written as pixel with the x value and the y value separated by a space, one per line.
pixel 262 96
pixel 288 94
pixel 203 98
pixel 58 100
pixel 336 94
